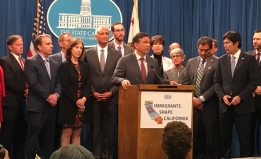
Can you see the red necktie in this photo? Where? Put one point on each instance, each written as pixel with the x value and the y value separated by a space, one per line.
pixel 142 69
pixel 21 62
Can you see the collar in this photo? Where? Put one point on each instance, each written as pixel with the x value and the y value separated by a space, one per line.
pixel 237 54
pixel 138 57
pixel 44 57
pixel 99 48
pixel 117 45
pixel 16 56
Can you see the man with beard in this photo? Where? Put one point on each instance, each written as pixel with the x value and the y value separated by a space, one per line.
pixel 257 94
pixel 118 32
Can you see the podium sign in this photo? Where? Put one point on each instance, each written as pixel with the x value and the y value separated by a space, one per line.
pixel 159 108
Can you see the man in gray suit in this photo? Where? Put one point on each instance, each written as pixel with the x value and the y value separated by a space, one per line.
pixel 257 94
pixel 200 72
pixel 138 67
pixel 44 89
pixel 102 61
pixel 63 41
pixel 118 32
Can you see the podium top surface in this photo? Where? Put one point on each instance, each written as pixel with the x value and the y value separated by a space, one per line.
pixel 156 87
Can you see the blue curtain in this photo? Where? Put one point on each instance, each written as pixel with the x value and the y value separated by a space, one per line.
pixel 182 21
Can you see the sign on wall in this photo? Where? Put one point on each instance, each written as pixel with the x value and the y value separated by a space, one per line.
pixel 159 108
pixel 81 17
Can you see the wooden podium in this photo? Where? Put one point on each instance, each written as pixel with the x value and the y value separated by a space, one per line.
pixel 135 142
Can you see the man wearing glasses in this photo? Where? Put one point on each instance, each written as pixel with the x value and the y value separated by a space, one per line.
pixel 118 32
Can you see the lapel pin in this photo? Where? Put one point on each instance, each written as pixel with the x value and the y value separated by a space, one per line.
pixel 242 58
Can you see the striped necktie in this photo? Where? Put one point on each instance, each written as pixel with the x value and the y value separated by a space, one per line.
pixel 199 77
pixel 46 62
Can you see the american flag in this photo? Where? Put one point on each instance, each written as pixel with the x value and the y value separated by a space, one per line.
pixel 39 27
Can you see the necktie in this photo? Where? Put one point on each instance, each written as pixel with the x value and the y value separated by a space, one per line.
pixel 102 60
pixel 119 49
pixel 233 64
pixel 46 62
pixel 142 69
pixel 199 77
pixel 21 62
pixel 258 58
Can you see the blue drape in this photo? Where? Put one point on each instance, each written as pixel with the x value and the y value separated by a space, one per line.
pixel 182 21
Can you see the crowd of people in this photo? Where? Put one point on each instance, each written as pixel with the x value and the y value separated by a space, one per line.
pixel 74 87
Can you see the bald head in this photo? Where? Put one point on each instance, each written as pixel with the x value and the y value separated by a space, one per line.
pixel 173 46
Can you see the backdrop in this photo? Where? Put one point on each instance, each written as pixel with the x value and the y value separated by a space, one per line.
pixel 182 21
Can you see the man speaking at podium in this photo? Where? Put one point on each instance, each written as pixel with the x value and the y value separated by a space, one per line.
pixel 138 67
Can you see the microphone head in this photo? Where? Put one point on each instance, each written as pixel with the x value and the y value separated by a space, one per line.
pixel 151 67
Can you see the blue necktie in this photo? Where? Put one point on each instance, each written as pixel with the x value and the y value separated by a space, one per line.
pixel 119 49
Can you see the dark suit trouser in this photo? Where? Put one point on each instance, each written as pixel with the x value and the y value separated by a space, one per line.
pixel 41 127
pixel 103 127
pixel 205 134
pixel 58 129
pixel 255 116
pixel 14 129
pixel 243 125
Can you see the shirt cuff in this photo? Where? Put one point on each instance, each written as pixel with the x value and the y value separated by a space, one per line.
pixel 57 94
pixel 202 98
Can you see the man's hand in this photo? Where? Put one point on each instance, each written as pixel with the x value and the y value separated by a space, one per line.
pixel 98 96
pixel 200 107
pixel 258 90
pixel 226 99
pixel 6 154
pixel 105 96
pixel 52 99
pixel 236 100
pixel 125 83
pixel 197 102
pixel 253 94
pixel 26 93
pixel 173 83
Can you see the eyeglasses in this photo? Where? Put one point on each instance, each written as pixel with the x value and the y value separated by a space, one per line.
pixel 176 56
pixel 119 30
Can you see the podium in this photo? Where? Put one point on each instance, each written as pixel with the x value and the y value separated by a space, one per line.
pixel 143 112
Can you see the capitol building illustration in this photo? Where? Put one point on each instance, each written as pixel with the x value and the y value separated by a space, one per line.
pixel 84 20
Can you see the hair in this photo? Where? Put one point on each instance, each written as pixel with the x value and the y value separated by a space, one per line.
pixel 215 42
pixel 178 51
pixel 38 39
pixel 72 151
pixel 234 37
pixel 61 36
pixel 11 39
pixel 138 36
pixel 257 31
pixel 73 43
pixel 204 40
pixel 176 139
pixel 113 25
pixel 157 39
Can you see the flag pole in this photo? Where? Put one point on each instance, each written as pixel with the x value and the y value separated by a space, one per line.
pixel 37 16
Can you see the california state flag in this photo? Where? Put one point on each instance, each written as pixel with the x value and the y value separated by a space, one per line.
pixel 135 24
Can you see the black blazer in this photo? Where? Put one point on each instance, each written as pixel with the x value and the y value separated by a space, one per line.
pixel 69 84
pixel 40 85
pixel 14 81
pixel 101 81
pixel 257 98
pixel 243 83
pixel 57 57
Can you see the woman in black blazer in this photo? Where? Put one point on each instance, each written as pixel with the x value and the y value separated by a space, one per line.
pixel 76 89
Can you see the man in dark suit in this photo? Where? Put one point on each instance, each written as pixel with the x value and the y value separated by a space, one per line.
pixel 41 74
pixel 118 32
pixel 102 61
pixel 59 57
pixel 138 67
pixel 200 72
pixel 257 94
pixel 235 81
pixel 63 41
pixel 14 126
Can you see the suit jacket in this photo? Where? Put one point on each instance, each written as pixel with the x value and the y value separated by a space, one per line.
pixel 14 81
pixel 127 48
pixel 69 84
pixel 57 57
pixel 207 81
pixel 101 81
pixel 40 85
pixel 243 83
pixel 128 68
pixel 257 98
pixel 166 62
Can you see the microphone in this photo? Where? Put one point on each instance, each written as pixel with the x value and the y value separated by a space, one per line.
pixel 153 69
